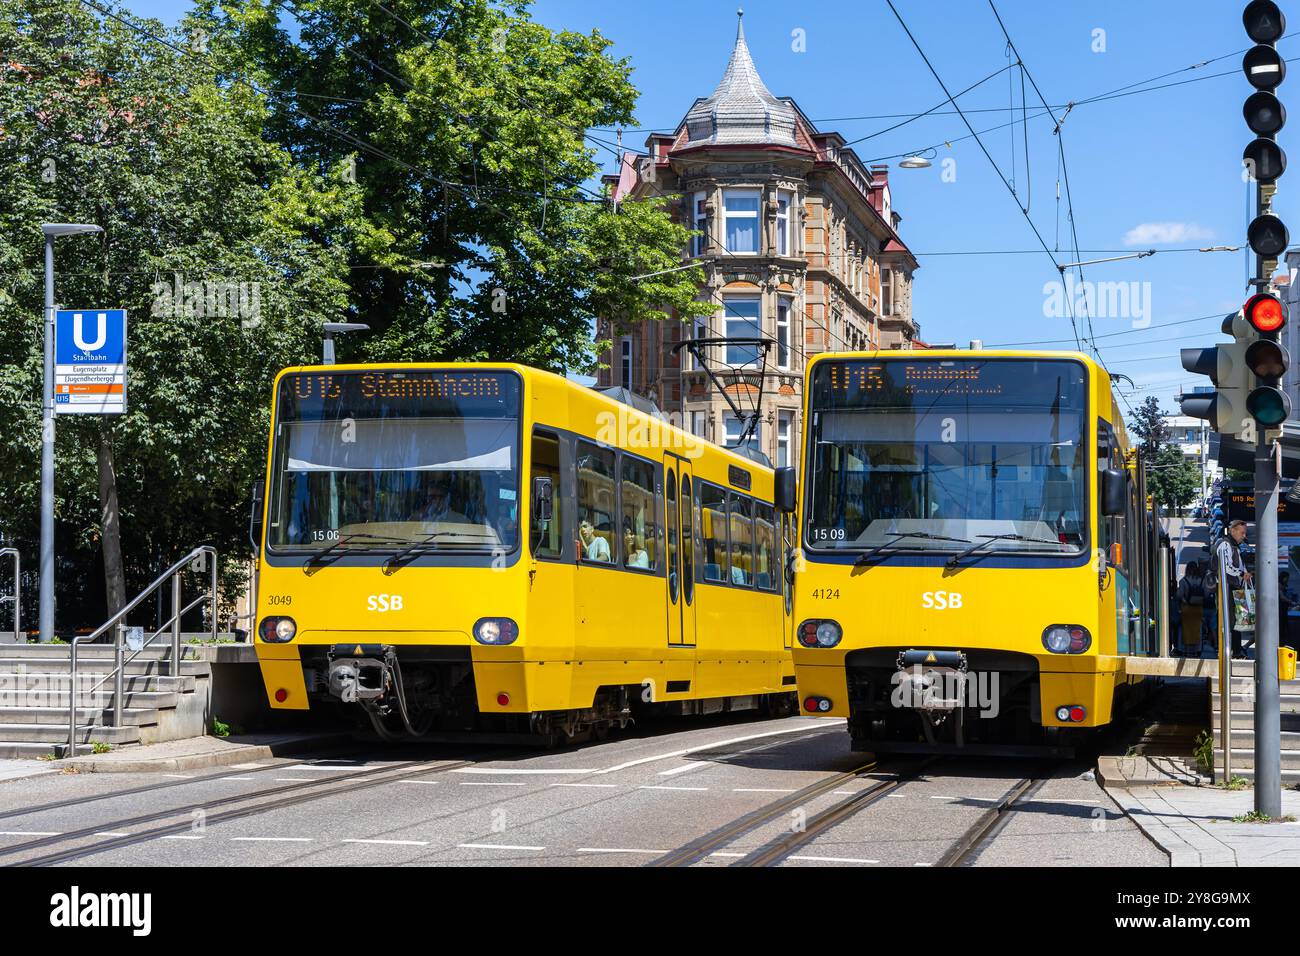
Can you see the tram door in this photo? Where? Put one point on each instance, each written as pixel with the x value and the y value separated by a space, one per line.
pixel 787 589
pixel 679 522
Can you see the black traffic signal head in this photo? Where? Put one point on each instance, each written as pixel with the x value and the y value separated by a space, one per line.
pixel 1265 114
pixel 1268 236
pixel 1264 21
pixel 1269 405
pixel 1267 359
pixel 1265 160
pixel 1264 67
pixel 1265 313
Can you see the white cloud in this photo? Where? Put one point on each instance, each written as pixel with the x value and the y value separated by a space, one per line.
pixel 1162 233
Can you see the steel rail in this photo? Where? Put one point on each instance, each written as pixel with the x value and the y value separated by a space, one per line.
pixel 991 820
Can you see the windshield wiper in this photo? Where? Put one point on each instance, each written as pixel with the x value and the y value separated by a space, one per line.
pixel 891 545
pixel 338 549
pixel 413 550
pixel 956 558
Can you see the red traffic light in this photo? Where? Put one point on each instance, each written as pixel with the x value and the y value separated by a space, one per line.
pixel 1265 312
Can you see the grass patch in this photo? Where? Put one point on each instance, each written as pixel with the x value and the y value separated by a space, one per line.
pixel 100 747
pixel 1203 751
pixel 1254 816
pixel 219 729
pixel 1236 783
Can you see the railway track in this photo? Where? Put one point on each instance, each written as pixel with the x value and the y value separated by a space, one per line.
pixel 178 820
pixel 961 852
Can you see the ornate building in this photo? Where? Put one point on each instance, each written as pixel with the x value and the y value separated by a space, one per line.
pixel 799 244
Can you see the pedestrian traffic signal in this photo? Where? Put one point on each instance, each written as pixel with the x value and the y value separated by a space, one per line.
pixel 1267 360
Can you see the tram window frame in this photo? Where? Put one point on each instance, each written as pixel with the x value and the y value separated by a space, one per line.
pixel 724 567
pixel 654 508
pixel 560 495
pixel 769 513
pixel 740 508
pixel 670 525
pixel 582 448
pixel 690 547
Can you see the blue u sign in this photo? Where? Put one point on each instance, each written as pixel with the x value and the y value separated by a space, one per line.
pixel 90 337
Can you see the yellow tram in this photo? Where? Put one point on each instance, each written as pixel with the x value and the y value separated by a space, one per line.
pixel 498 550
pixel 976 556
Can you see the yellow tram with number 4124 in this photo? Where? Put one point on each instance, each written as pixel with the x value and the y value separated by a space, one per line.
pixel 976 558
pixel 493 549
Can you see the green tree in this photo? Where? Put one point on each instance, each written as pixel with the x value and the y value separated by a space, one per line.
pixel 465 126
pixel 226 253
pixel 1174 481
pixel 1148 426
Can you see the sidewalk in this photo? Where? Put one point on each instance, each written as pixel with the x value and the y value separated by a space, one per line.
pixel 1193 824
pixel 198 752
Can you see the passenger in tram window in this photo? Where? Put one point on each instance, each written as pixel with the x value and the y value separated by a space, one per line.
pixel 634 546
pixel 437 506
pixel 594 547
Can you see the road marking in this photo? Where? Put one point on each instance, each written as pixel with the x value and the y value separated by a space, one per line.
pixel 423 783
pixel 759 790
pixel 672 788
pixel 293 779
pixel 31 832
pixel 309 766
pixel 602 849
pixel 493 770
pixel 246 766
pixel 937 797
pixel 391 842
pixel 236 778
pixel 272 839
pixel 112 833
pixel 490 783
pixel 726 853
pixel 801 729
pixel 182 836
pixel 180 776
pixel 600 786
pixel 496 846
pixel 831 859
pixel 683 768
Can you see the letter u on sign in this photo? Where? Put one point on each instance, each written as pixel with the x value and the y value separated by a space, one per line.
pixel 79 335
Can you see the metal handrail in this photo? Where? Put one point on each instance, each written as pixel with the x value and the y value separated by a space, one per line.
pixel 1225 668
pixel 16 597
pixel 118 625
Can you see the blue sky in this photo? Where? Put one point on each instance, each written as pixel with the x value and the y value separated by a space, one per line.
pixel 1159 170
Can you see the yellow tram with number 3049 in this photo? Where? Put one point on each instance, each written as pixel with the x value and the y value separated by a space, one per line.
pixel 976 556
pixel 496 550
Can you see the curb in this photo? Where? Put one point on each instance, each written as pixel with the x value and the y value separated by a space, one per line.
pixel 233 753
pixel 1180 853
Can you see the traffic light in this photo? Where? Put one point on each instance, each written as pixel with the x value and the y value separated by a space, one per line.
pixel 1265 115
pixel 1267 360
pixel 1225 408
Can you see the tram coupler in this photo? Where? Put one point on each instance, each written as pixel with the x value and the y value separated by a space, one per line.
pixel 931 680
pixel 361 672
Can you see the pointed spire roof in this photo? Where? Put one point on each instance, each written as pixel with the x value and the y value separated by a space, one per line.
pixel 741 110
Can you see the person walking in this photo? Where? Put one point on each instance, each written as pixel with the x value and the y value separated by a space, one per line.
pixel 1191 606
pixel 1233 567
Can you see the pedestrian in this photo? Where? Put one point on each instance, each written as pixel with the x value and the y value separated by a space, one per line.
pixel 1191 606
pixel 1233 568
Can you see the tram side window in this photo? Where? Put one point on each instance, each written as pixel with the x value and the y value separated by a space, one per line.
pixel 597 508
pixel 688 541
pixel 742 540
pixel 548 536
pixel 714 565
pixel 766 577
pixel 640 543
pixel 670 503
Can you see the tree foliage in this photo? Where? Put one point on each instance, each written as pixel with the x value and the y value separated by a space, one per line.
pixel 1148 426
pixel 1173 480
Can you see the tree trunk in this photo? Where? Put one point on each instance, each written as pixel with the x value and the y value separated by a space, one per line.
pixel 110 539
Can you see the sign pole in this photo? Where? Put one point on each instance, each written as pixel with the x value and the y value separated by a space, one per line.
pixel 47 456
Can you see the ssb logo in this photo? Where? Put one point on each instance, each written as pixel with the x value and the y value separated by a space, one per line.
pixel 383 603
pixel 941 600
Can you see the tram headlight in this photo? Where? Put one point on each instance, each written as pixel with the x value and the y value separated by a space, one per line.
pixel 820 633
pixel 495 630
pixel 277 630
pixel 1067 639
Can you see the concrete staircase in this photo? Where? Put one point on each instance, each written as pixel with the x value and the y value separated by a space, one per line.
pixel 157 704
pixel 1243 724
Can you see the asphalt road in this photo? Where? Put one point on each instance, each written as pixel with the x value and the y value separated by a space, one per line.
pixel 626 802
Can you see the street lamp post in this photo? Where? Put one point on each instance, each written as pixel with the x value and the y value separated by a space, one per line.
pixel 52 231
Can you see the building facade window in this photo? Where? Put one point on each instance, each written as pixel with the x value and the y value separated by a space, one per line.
pixel 783 308
pixel 740 210
pixel 625 363
pixel 700 223
pixel 784 247
pixel 784 429
pixel 742 322
pixel 699 424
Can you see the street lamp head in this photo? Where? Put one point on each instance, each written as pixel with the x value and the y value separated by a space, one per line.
pixel 56 229
pixel 915 162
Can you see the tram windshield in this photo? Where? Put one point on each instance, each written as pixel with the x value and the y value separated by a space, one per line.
pixel 942 455
pixel 384 459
